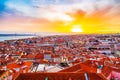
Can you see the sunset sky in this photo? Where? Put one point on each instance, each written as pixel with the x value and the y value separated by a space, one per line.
pixel 84 16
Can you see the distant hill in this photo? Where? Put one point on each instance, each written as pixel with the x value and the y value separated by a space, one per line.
pixel 17 34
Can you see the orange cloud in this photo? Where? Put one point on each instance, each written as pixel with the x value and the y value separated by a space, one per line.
pixel 60 18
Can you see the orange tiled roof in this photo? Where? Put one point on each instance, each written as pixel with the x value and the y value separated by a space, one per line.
pixel 43 62
pixel 39 56
pixel 30 56
pixel 59 76
pixel 72 68
pixel 15 65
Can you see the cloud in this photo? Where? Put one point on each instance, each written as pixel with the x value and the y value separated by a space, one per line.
pixel 42 12
pixel 61 12
pixel 117 1
pixel 100 14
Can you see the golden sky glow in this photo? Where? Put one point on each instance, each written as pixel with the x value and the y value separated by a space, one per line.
pixel 87 16
pixel 76 28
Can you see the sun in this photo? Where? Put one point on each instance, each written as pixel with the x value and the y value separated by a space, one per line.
pixel 76 28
